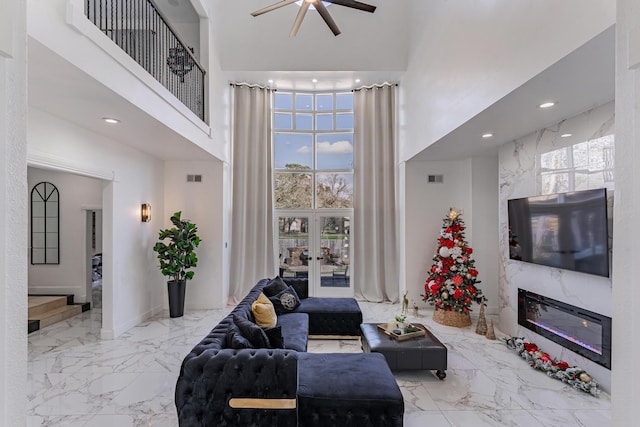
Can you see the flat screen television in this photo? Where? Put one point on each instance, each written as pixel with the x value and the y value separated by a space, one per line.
pixel 564 230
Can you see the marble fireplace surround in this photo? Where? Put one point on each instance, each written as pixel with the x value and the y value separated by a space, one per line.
pixel 519 177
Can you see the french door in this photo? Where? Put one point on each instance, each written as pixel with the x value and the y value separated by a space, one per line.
pixel 317 246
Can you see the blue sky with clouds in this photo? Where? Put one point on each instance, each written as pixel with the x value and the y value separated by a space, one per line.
pixel 334 150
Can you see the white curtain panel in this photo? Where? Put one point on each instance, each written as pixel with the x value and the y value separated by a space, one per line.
pixel 375 258
pixel 252 242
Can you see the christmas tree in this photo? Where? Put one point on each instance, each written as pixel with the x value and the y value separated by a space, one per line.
pixel 452 281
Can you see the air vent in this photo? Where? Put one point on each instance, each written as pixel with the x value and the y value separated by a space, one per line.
pixel 435 179
pixel 194 178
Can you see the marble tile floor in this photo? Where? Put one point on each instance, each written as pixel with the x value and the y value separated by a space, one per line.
pixel 77 379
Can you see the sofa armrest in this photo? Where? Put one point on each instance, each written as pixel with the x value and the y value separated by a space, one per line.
pixel 209 381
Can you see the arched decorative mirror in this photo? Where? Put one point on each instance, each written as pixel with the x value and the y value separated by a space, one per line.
pixel 45 224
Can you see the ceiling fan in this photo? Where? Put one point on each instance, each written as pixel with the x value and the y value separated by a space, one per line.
pixel 320 7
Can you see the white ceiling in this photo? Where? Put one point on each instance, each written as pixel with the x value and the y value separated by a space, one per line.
pixel 582 80
pixel 372 47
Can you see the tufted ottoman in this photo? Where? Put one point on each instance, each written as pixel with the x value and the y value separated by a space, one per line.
pixel 332 317
pixel 347 389
pixel 425 352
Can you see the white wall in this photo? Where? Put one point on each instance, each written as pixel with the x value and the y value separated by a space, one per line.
pixel 483 223
pixel 13 213
pixel 202 203
pixel 474 53
pixel 132 284
pixel 470 185
pixel 518 178
pixel 76 194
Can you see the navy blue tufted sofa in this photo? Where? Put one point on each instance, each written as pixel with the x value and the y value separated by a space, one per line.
pixel 221 386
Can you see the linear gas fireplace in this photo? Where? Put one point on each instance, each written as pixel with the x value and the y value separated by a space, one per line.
pixel 582 331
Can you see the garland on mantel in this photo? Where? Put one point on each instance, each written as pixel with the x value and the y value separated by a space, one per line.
pixel 572 375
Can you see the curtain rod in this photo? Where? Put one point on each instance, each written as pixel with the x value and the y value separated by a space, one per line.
pixel 251 85
pixel 379 85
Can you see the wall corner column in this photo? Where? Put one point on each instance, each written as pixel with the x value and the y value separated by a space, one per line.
pixel 13 215
pixel 626 230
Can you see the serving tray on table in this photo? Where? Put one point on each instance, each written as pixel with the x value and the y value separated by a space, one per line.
pixel 382 327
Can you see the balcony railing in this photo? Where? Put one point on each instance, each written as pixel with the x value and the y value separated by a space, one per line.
pixel 139 28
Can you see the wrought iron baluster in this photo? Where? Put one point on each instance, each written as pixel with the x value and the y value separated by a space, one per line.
pixel 139 29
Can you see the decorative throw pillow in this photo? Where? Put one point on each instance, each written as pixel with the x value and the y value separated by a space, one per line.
pixel 254 333
pixel 264 312
pixel 236 340
pixel 274 286
pixel 275 337
pixel 285 301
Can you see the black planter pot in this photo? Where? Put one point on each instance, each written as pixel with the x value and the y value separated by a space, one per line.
pixel 176 297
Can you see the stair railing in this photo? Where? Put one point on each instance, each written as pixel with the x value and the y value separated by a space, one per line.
pixel 140 29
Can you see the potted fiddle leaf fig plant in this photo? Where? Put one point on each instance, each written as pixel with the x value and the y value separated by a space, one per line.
pixel 176 258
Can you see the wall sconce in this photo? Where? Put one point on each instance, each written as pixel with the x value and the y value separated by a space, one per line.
pixel 145 212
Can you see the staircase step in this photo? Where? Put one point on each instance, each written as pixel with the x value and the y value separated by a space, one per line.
pixel 57 314
pixel 41 304
pixel 34 325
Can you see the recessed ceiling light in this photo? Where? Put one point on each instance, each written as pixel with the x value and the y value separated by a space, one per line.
pixel 111 120
pixel 487 135
pixel 315 80
pixel 566 135
pixel 546 104
pixel 270 80
pixel 357 80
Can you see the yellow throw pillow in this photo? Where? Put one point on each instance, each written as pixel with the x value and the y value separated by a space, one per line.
pixel 264 312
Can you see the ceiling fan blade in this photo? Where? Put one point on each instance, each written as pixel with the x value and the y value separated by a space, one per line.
pixel 301 13
pixel 273 7
pixel 354 4
pixel 322 10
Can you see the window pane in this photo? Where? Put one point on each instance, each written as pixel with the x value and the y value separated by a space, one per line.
pixel 334 190
pixel 37 209
pixel 334 246
pixel 52 224
pixel 51 240
pixel 283 101
pixel 52 256
pixel 344 101
pixel 344 121
pixel 304 122
pixel 293 244
pixel 324 121
pixel 37 256
pixel 283 121
pixel 37 240
pixel 304 102
pixel 335 151
pixel 324 102
pixel 557 159
pixel 293 149
pixel 555 183
pixel 581 155
pixel 292 190
pixel 52 209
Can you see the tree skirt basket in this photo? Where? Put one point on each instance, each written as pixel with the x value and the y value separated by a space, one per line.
pixel 452 318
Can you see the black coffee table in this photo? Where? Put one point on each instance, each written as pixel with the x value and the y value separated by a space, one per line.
pixel 421 353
